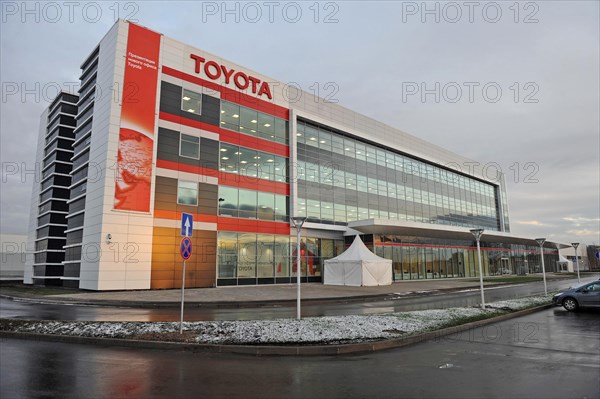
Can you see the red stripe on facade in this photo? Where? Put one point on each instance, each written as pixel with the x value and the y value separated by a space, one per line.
pixel 228 179
pixel 228 94
pixel 253 183
pixel 254 142
pixel 165 116
pixel 190 78
pixel 183 167
pixel 252 226
pixel 229 136
pixel 396 244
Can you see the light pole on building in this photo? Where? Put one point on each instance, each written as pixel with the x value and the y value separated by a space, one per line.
pixel 541 242
pixel 297 222
pixel 575 245
pixel 477 233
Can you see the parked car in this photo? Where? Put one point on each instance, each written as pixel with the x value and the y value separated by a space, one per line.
pixel 588 295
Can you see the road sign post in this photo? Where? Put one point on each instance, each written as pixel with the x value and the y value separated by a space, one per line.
pixel 185 249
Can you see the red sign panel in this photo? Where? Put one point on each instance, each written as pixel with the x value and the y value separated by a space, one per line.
pixel 138 114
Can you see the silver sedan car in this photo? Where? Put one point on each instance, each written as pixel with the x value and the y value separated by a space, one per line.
pixel 588 295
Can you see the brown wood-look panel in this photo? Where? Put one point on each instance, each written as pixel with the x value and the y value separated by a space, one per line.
pixel 167 262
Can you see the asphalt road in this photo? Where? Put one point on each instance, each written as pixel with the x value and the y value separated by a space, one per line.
pixel 432 300
pixel 549 354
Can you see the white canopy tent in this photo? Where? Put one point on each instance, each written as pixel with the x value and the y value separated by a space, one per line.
pixel 564 264
pixel 358 266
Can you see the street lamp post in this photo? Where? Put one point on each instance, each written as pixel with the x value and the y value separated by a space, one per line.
pixel 297 222
pixel 541 242
pixel 477 233
pixel 575 245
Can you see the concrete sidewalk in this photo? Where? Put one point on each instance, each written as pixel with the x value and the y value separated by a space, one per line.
pixel 249 296
pixel 255 295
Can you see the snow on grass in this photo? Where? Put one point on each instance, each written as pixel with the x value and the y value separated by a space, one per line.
pixel 311 330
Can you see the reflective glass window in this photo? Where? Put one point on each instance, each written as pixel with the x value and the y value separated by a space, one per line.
pixel 228 201
pixel 248 121
pixel 266 126
pixel 249 160
pixel 266 206
pixel 230 116
pixel 187 193
pixel 246 266
pixel 265 255
pixel 281 129
pixel 228 254
pixel 189 146
pixel 228 158
pixel 281 210
pixel 247 204
pixel 191 102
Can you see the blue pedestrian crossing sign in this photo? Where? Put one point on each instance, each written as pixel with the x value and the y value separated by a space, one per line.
pixel 186 248
pixel 187 224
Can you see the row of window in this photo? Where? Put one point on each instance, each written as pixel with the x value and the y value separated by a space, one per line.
pixel 252 163
pixel 327 140
pixel 249 255
pixel 342 212
pixel 240 203
pixel 419 262
pixel 252 204
pixel 254 123
pixel 239 118
pixel 325 175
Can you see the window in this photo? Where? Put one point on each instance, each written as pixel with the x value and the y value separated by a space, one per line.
pixel 191 102
pixel 251 122
pixel 229 158
pixel 189 146
pixel 187 193
pixel 247 204
pixel 228 201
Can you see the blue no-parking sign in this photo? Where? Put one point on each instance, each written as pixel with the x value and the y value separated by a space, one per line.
pixel 186 248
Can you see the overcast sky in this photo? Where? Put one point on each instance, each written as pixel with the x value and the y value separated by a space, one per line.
pixel 537 118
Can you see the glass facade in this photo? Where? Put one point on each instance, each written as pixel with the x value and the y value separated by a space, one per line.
pixel 250 204
pixel 254 123
pixel 244 257
pixel 342 179
pixel 416 258
pixel 249 258
pixel 252 163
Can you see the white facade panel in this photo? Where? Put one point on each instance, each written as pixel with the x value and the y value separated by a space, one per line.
pixel 35 200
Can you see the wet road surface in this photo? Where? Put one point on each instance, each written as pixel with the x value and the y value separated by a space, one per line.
pixel 549 354
pixel 432 300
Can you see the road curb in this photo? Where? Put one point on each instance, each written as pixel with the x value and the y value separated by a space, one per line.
pixel 233 304
pixel 275 350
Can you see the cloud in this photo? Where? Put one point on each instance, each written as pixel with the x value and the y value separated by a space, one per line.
pixel 582 221
pixel 530 222
pixel 585 233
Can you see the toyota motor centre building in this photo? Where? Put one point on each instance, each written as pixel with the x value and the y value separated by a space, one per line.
pixel 159 128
